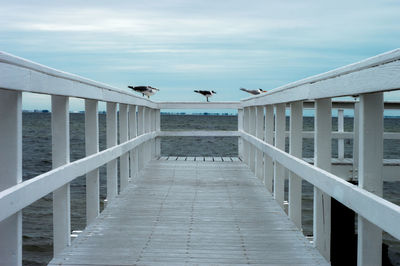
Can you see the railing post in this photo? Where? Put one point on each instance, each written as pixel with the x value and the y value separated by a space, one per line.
pixel 356 133
pixel 60 156
pixel 252 131
pixel 295 149
pixel 132 134
pixel 140 130
pixel 11 172
pixel 340 130
pixel 240 128
pixel 322 150
pixel 158 128
pixel 123 137
pixel 279 171
pixel 269 138
pixel 259 134
pixel 246 145
pixel 111 130
pixel 92 147
pixel 370 174
pixel 153 128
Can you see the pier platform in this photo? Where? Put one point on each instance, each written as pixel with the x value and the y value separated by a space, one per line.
pixel 192 212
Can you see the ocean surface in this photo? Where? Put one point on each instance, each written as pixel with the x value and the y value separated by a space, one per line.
pixel 37 218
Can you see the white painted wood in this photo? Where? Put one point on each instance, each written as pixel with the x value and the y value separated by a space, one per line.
pixel 240 128
pixel 246 146
pixel 123 136
pixel 259 134
pixel 158 128
pixel 379 211
pixel 199 159
pixel 133 154
pixel 92 147
pixel 252 131
pixel 19 196
pixel 140 131
pixel 367 76
pixel 356 141
pixel 370 174
pixel 11 173
pixel 22 75
pixel 111 131
pixel 269 138
pixel 199 105
pixel 295 149
pixel 340 130
pixel 279 170
pixel 60 156
pixel 322 154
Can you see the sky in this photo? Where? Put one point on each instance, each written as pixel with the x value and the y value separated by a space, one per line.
pixel 179 46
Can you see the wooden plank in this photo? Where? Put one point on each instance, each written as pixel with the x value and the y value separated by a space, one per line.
pixel 208 159
pixel 199 159
pixel 199 133
pixel 217 159
pixel 190 158
pixel 226 159
pixel 235 159
pixel 181 158
pixel 163 158
pixel 192 213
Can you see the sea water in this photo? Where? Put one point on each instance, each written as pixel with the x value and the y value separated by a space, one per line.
pixel 37 218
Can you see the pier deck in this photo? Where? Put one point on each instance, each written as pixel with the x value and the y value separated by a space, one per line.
pixel 192 212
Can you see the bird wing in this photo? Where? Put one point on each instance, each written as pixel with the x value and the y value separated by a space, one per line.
pixel 139 88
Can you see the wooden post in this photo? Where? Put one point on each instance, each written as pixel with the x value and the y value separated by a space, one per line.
pixel 279 170
pixel 370 174
pixel 340 130
pixel 246 145
pixel 158 128
pixel 252 131
pixel 260 135
pixel 295 149
pixel 123 137
pixel 240 128
pixel 269 138
pixel 92 147
pixel 356 134
pixel 11 172
pixel 140 130
pixel 60 156
pixel 322 159
pixel 133 134
pixel 111 130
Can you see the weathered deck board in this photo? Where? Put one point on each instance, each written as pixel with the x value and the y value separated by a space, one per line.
pixel 192 212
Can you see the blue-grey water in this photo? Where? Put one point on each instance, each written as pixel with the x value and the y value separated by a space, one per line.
pixel 37 218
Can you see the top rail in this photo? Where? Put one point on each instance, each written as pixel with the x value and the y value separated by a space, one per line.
pixel 378 73
pixel 23 75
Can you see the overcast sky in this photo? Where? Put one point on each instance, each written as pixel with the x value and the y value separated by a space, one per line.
pixel 178 46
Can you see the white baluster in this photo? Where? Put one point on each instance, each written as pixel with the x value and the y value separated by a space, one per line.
pixel 132 134
pixel 252 131
pixel 356 134
pixel 295 149
pixel 123 137
pixel 260 135
pixel 340 130
pixel 322 159
pixel 269 138
pixel 112 178
pixel 60 156
pixel 11 172
pixel 158 128
pixel 279 170
pixel 140 130
pixel 246 145
pixel 370 174
pixel 92 147
pixel 240 128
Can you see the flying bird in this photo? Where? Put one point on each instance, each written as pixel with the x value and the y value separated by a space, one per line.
pixel 144 90
pixel 254 92
pixel 206 93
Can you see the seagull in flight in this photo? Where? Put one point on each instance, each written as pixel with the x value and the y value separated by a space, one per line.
pixel 145 90
pixel 254 92
pixel 206 93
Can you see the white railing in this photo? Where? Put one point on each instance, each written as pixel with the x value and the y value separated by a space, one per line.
pixel 261 145
pixel 368 79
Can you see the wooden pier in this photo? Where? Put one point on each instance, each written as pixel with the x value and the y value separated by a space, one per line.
pixel 204 210
pixel 192 213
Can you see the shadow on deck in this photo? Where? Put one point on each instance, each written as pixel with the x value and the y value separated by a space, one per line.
pixel 192 212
